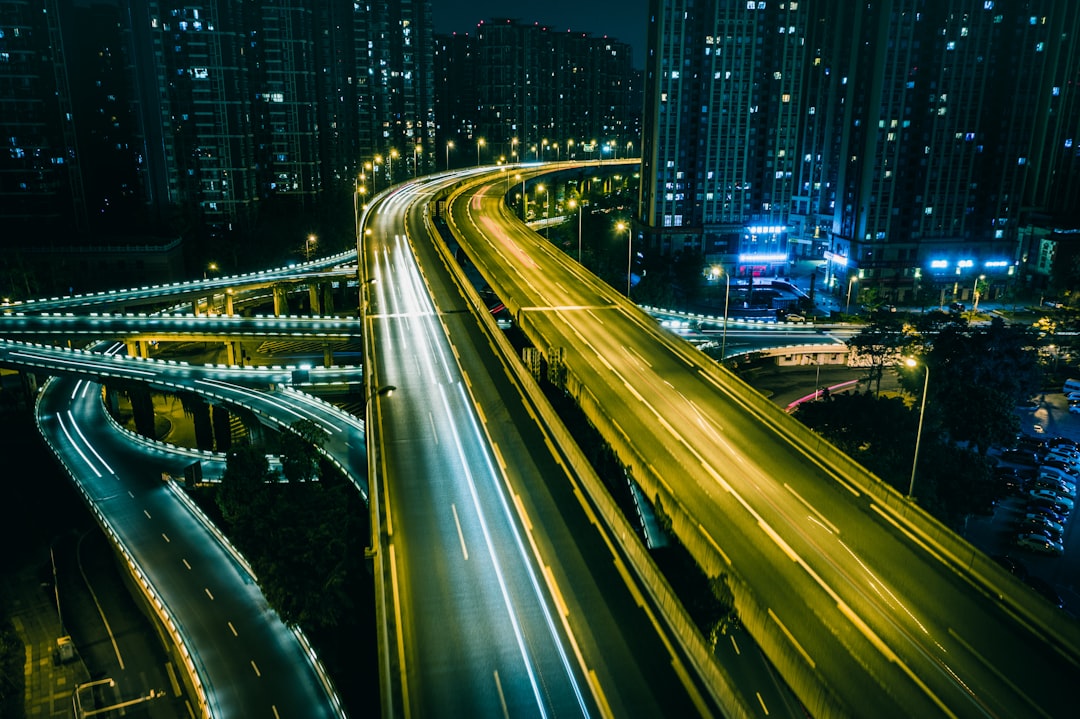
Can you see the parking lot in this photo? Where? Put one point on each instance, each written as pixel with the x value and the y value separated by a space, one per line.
pixel 997 534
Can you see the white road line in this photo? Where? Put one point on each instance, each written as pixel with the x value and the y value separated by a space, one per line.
pixel 166 537
pixel 502 697
pixel 207 590
pixel 232 629
pixel 186 564
pixel 147 514
pixel 256 668
pixel 461 536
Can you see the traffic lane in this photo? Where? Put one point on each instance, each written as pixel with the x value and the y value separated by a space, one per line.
pixel 187 566
pixel 463 514
pixel 634 668
pixel 626 685
pixel 743 531
pixel 885 600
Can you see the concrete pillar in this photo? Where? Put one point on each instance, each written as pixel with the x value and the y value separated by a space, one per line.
pixel 229 304
pixel 313 297
pixel 232 352
pixel 328 355
pixel 327 297
pixel 195 307
pixel 281 304
pixel 136 348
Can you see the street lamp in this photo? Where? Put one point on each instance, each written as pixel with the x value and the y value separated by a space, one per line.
pixel 513 148
pixel 479 144
pixel 619 227
pixel 574 203
pixel 852 281
pixel 417 150
pixel 212 267
pixel 910 362
pixel 390 163
pixel 716 272
pixel 311 241
pixel 975 294
pixel 449 146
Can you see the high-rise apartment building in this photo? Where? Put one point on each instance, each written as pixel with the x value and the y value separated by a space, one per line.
pixel 905 141
pixel 723 92
pixel 531 93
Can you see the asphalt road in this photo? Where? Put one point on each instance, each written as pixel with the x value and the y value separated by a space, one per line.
pixel 863 605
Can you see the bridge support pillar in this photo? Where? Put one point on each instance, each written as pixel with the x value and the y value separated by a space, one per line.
pixel 327 292
pixel 281 304
pixel 229 304
pixel 328 355
pixel 195 307
pixel 233 353
pixel 137 348
pixel 313 297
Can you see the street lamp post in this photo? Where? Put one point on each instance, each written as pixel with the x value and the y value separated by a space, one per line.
pixel 716 272
pixel 449 146
pixel 918 433
pixel 581 208
pixel 311 241
pixel 415 161
pixel 975 294
pixel 390 163
pixel 620 226
pixel 479 144
pixel 851 282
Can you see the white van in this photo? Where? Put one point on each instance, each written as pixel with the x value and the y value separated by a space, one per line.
pixel 1071 385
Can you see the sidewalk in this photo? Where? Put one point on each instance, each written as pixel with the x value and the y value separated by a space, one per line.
pixel 28 595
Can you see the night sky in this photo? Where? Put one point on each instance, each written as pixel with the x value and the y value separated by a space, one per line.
pixel 624 20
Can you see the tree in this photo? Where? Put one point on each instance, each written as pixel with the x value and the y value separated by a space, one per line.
pixel 879 344
pixel 242 496
pixel 299 450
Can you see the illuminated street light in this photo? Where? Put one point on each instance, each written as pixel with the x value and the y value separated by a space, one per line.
pixel 910 362
pixel 417 151
pixel 390 163
pixel 211 267
pixel 852 281
pixel 716 272
pixel 975 294
pixel 574 203
pixel 479 144
pixel 449 146
pixel 311 242
pixel 619 227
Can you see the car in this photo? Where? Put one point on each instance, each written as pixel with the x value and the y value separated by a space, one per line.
pixel 1039 528
pixel 1039 543
pixel 1042 519
pixel 1045 589
pixel 795 318
pixel 1061 442
pixel 1047 509
pixel 1074 408
pixel 1059 488
pixel 1020 456
pixel 1059 467
pixel 1050 495
pixel 1063 452
pixel 957 307
pixel 1013 566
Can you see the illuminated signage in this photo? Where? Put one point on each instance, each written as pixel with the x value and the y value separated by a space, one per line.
pixel 939 264
pixel 766 229
pixel 965 263
pixel 833 257
pixel 996 263
pixel 762 257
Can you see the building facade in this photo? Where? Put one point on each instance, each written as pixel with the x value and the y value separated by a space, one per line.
pixel 905 142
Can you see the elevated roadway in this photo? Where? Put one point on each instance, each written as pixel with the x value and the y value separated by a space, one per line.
pixel 860 599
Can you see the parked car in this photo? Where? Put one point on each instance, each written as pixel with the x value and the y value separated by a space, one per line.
pixel 1063 453
pixel 1043 520
pixel 1060 467
pixel 1039 543
pixel 1020 456
pixel 1048 510
pixel 957 307
pixel 1013 566
pixel 1057 487
pixel 1050 495
pixel 1031 444
pixel 1074 408
pixel 1061 442
pixel 1034 527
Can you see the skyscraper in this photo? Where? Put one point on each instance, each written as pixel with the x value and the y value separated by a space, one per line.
pixel 723 92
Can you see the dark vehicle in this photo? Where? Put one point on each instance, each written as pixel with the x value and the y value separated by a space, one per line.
pixel 1033 526
pixel 957 307
pixel 1020 456
pixel 1061 442
pixel 1047 508
pixel 1039 543
pixel 1014 566
pixel 1046 589
pixel 1031 444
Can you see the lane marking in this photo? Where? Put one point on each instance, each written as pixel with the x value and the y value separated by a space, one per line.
pixel 502 697
pixel 147 514
pixel 256 668
pixel 166 538
pixel 232 629
pixel 792 639
pixel 460 534
pixel 207 590
pixel 186 564
pixel 762 702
